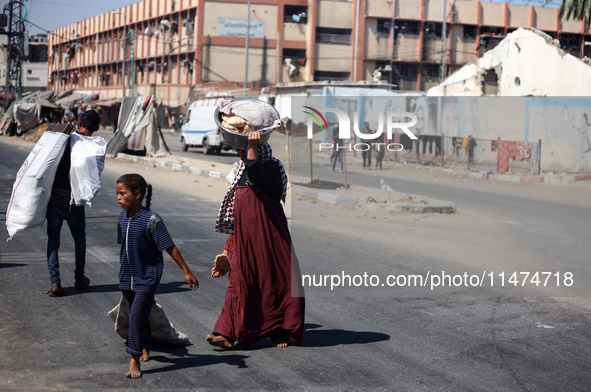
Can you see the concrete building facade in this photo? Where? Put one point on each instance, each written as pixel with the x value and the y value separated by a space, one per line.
pixel 178 44
pixel 33 69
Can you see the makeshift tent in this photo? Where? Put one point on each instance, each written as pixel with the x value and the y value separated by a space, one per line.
pixel 138 129
pixel 164 112
pixel 8 125
pixel 27 115
pixel 109 111
pixel 30 114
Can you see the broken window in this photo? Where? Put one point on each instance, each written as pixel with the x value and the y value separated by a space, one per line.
pixel 494 31
pixel 432 29
pixel 384 27
pixel 490 82
pixel 406 69
pixel 330 76
pixel 587 48
pixel 571 43
pixel 328 35
pixel 297 55
pixel 469 32
pixel 406 27
pixel 295 14
pixel 431 70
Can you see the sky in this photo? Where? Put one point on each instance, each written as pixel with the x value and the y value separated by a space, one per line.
pixel 53 14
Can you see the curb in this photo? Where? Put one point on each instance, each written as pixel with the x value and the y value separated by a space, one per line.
pixel 331 198
pixel 546 178
pixel 174 166
pixel 432 205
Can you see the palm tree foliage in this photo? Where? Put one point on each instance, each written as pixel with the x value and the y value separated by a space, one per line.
pixel 575 9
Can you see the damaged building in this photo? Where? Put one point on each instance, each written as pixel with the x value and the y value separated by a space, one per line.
pixel 528 62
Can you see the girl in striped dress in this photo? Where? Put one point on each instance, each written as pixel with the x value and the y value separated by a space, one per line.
pixel 143 236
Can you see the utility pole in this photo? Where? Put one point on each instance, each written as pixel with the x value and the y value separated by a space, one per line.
pixel 14 49
pixel 393 30
pixel 132 71
pixel 444 38
pixel 443 42
pixel 246 60
pixel 356 43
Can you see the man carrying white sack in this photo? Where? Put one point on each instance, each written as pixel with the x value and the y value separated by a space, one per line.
pixel 76 182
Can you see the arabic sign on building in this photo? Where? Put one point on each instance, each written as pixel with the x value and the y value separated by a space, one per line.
pixel 234 27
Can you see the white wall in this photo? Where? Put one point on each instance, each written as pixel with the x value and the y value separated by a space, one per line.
pixel 528 63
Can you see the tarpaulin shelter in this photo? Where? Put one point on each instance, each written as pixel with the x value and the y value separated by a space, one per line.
pixel 164 112
pixel 8 125
pixel 138 129
pixel 29 114
pixel 37 95
pixel 109 111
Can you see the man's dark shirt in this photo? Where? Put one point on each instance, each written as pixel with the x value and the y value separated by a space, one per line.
pixel 61 184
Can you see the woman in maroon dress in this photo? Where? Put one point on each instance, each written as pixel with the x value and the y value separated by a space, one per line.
pixel 264 298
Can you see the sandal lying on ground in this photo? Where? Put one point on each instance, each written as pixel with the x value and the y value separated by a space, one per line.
pixel 57 291
pixel 82 284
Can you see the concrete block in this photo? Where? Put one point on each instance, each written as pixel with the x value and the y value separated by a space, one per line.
pixel 327 197
pixel 346 201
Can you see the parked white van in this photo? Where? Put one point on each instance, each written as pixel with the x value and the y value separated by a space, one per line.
pixel 200 130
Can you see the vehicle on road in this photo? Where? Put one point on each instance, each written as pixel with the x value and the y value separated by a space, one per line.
pixel 200 130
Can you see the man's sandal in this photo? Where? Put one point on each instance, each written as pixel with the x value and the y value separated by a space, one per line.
pixel 82 284
pixel 57 291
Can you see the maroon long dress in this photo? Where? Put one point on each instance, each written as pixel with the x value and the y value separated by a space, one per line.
pixel 260 302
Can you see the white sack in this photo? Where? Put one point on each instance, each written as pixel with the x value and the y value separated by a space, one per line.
pixel 163 332
pixel 32 188
pixel 233 173
pixel 87 162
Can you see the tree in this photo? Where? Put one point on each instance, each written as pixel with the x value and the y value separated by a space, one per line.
pixel 577 9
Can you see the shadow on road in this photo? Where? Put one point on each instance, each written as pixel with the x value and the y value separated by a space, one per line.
pixel 9 265
pixel 321 184
pixel 163 288
pixel 314 337
pixel 184 360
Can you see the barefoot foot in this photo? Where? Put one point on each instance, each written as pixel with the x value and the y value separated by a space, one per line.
pixel 279 341
pixel 145 355
pixel 134 367
pixel 220 341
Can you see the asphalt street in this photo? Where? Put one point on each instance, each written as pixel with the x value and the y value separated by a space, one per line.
pixel 463 338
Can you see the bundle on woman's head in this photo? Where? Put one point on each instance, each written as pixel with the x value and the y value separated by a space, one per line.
pixel 245 116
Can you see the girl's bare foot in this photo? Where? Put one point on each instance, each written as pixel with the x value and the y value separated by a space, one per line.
pixel 145 355
pixel 134 367
pixel 220 341
pixel 279 341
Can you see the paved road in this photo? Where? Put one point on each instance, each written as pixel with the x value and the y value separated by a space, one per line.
pixel 363 338
pixel 174 144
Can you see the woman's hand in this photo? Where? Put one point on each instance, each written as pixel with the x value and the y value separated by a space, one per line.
pixel 222 265
pixel 254 138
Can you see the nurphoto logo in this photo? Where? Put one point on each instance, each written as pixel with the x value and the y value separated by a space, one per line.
pixel 387 126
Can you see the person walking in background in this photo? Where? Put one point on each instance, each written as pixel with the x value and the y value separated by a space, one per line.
pixel 338 145
pixel 61 208
pixel 380 149
pixel 143 236
pixel 264 298
pixel 471 146
pixel 367 149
